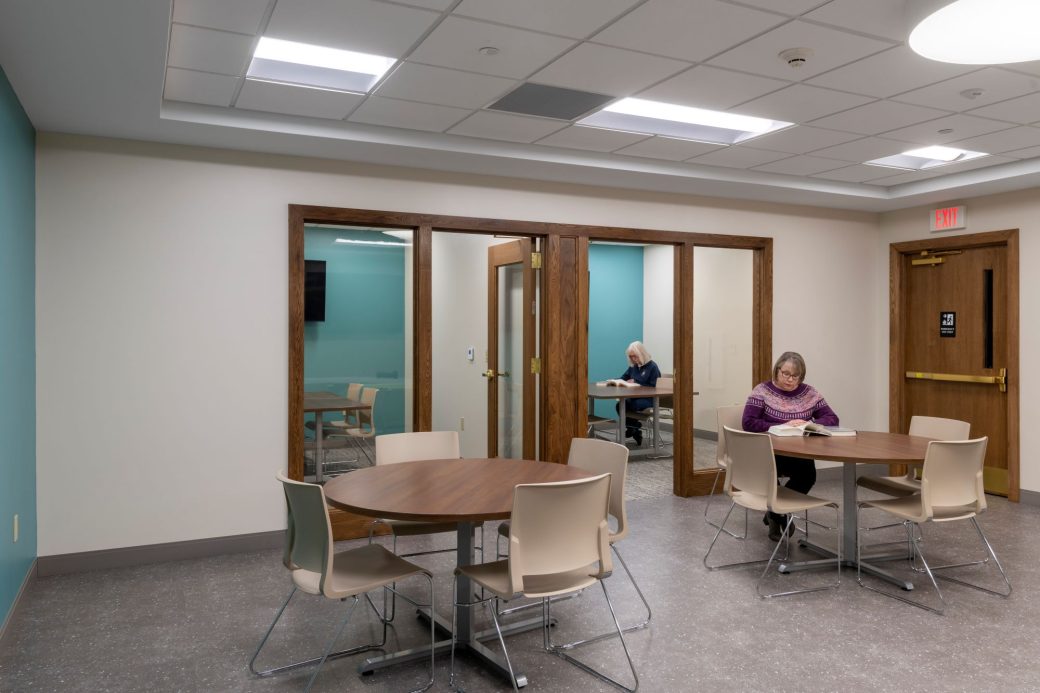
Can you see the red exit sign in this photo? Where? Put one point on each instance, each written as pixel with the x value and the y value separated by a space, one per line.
pixel 947 218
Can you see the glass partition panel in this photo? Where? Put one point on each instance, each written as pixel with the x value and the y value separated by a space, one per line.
pixel 357 343
pixel 723 313
pixel 510 361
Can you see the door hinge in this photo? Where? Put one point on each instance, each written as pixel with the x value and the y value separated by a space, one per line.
pixel 536 365
pixel 536 260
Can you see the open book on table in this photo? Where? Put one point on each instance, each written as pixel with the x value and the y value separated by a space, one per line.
pixel 617 382
pixel 810 429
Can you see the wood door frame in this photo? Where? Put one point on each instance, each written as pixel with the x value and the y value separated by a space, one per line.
pixel 564 281
pixel 517 252
pixel 897 331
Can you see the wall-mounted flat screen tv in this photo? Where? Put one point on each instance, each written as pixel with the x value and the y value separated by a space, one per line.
pixel 314 292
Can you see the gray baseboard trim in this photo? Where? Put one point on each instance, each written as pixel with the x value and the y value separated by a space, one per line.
pixel 1029 497
pixel 157 553
pixel 27 583
pixel 706 435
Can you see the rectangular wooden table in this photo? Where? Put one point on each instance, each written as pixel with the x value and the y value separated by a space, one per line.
pixel 865 447
pixel 622 393
pixel 318 403
pixel 464 491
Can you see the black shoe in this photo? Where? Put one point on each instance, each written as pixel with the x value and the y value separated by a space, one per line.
pixel 776 526
pixel 638 435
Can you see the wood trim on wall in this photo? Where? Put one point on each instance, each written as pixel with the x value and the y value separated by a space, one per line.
pixel 682 349
pixel 899 262
pixel 422 321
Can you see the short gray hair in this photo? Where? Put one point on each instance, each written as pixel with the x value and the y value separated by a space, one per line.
pixel 795 358
pixel 642 355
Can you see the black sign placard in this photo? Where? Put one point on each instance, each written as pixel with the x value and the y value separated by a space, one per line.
pixel 947 324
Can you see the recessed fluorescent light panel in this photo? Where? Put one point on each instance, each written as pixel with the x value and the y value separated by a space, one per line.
pixel 685 122
pixel 925 158
pixel 357 241
pixel 317 66
pixel 980 32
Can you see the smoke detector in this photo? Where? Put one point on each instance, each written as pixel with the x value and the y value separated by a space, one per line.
pixel 973 93
pixel 796 57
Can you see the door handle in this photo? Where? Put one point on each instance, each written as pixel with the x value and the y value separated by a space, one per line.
pixel 491 375
pixel 999 380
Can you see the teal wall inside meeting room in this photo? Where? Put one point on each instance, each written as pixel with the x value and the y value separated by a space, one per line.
pixel 362 337
pixel 17 344
pixel 615 311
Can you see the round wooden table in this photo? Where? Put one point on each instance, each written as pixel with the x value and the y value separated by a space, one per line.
pixel 457 490
pixel 865 447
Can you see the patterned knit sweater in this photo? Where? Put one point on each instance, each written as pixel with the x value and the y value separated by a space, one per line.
pixel 768 405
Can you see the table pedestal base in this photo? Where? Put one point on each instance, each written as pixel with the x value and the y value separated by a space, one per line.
pixel 830 556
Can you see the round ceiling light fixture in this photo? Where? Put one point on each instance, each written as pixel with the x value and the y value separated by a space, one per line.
pixel 976 32
pixel 488 50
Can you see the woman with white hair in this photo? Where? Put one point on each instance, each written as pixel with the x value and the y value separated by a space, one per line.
pixel 643 371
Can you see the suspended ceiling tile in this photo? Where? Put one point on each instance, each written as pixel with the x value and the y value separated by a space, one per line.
pixel 241 16
pixel 292 100
pixel 884 18
pixel 898 177
pixel 961 126
pixel 1023 110
pixel 738 157
pixel 792 8
pixel 831 48
pixel 1027 153
pixel 892 72
pixel 199 87
pixel 873 118
pixel 682 29
pixel 439 5
pixel 574 18
pixel 592 139
pixel 802 139
pixel 504 126
pixel 800 103
pixel 355 25
pixel 443 86
pixel 851 174
pixel 997 85
pixel 668 148
pixel 1030 68
pixel 406 114
pixel 800 165
pixel 974 164
pixel 606 70
pixel 209 50
pixel 866 149
pixel 456 43
pixel 711 87
pixel 1002 141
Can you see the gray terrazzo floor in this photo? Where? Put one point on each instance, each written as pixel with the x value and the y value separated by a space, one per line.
pixel 192 625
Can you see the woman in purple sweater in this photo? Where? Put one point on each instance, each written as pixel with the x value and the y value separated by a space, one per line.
pixel 787 400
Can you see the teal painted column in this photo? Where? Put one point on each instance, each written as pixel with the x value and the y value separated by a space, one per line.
pixel 17 344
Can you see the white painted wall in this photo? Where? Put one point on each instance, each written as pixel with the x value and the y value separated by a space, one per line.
pixel 162 331
pixel 722 331
pixel 658 314
pixel 1020 210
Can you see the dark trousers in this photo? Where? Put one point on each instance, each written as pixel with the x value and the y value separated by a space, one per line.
pixel 635 404
pixel 800 473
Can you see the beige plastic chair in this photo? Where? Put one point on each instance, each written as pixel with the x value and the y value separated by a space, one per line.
pixel 665 407
pixel 364 427
pixel 951 489
pixel 317 569
pixel 751 483
pixel 558 544
pixel 395 448
pixel 354 393
pixel 732 416
pixel 927 427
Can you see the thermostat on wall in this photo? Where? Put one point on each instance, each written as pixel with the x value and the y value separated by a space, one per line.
pixel 469 353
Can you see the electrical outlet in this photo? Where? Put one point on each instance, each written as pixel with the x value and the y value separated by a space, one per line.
pixel 462 423
pixel 16 528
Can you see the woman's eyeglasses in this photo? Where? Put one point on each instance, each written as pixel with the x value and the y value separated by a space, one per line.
pixel 788 375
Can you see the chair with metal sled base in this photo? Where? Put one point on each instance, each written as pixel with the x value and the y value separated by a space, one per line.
pixel 347 575
pixel 727 416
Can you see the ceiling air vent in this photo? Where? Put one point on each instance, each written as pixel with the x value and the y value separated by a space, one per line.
pixel 550 102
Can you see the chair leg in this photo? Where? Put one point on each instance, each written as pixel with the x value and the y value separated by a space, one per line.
pixel 915 546
pixel 332 642
pixel 996 563
pixel 786 535
pixel 738 564
pixel 295 665
pixel 561 652
pixel 498 629
pixel 711 496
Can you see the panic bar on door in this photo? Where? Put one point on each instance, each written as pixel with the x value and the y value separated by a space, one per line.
pixel 1000 380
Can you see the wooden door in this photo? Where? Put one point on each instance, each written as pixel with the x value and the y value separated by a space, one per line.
pixel 956 345
pixel 511 370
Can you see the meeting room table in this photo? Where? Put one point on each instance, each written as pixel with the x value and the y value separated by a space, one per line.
pixel 318 403
pixel 621 393
pixel 462 491
pixel 866 447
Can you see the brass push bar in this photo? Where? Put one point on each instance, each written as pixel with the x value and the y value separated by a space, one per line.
pixel 999 380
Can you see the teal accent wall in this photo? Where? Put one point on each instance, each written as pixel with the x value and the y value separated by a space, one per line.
pixel 615 311
pixel 17 344
pixel 362 338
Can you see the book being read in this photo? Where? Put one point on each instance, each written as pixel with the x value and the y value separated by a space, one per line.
pixel 810 429
pixel 616 382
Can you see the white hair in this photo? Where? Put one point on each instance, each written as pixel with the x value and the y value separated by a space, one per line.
pixel 642 355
